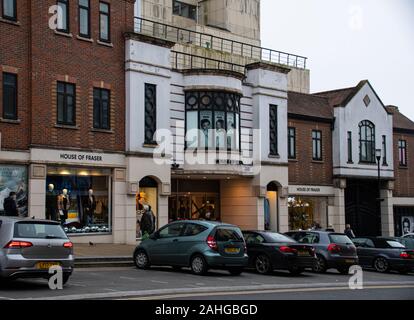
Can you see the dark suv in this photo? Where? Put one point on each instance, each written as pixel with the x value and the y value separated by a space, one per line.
pixel 333 250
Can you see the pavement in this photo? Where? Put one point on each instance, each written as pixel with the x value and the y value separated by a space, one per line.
pixel 103 250
pixel 129 283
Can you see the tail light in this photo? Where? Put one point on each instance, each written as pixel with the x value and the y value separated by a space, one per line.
pixel 212 243
pixel 68 245
pixel 334 248
pixel 406 255
pixel 18 245
pixel 285 249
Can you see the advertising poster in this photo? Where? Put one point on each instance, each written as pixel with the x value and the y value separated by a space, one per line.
pixel 205 127
pixel 220 122
pixel 14 179
pixel 407 225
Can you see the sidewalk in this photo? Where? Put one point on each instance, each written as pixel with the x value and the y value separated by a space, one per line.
pixel 103 250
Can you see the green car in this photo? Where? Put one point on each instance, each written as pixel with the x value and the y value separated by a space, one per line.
pixel 200 245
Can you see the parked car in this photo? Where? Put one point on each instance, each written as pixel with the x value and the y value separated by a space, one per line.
pixel 406 242
pixel 333 250
pixel 200 245
pixel 269 251
pixel 408 235
pixel 384 254
pixel 29 247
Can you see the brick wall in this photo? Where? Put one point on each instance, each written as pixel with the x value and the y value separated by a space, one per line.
pixel 404 176
pixel 303 170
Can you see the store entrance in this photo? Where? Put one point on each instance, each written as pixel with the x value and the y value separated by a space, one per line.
pixel 362 210
pixel 194 200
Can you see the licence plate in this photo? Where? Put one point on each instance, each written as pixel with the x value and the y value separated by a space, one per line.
pixel 46 265
pixel 232 250
pixel 349 261
pixel 303 253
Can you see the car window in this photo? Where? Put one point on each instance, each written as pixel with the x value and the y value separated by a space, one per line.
pixel 192 229
pixel 395 244
pixel 370 243
pixel 227 234
pixel 254 238
pixel 171 231
pixel 277 237
pixel 360 242
pixel 340 239
pixel 308 238
pixel 36 230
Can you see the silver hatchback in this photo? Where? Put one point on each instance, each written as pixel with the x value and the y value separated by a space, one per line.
pixel 29 248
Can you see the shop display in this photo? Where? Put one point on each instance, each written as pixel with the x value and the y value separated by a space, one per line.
pixel 14 179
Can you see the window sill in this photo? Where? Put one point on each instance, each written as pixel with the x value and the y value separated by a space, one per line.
pixel 367 163
pixel 403 167
pixel 10 121
pixel 150 145
pixel 274 156
pixel 84 39
pixel 63 126
pixel 107 131
pixel 106 44
pixel 318 161
pixel 10 21
pixel 63 34
pixel 293 160
pixel 350 162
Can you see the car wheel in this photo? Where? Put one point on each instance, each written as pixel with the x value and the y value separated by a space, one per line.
pixel 262 264
pixel 236 271
pixel 344 270
pixel 320 265
pixel 66 278
pixel 295 271
pixel 199 265
pixel 141 260
pixel 381 265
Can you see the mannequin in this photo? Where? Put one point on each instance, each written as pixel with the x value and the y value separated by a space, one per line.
pixel 51 203
pixel 89 207
pixel 64 206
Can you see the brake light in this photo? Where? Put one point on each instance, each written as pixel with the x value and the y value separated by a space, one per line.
pixel 285 249
pixel 18 245
pixel 212 243
pixel 68 245
pixel 334 248
pixel 406 255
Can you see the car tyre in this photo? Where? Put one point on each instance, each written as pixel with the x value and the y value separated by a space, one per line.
pixel 199 265
pixel 262 264
pixel 296 271
pixel 141 260
pixel 236 271
pixel 381 265
pixel 343 270
pixel 66 278
pixel 320 265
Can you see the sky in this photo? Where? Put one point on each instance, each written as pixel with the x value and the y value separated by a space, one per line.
pixel 347 41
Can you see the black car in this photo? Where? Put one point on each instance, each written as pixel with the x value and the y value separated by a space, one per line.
pixel 333 250
pixel 269 251
pixel 384 254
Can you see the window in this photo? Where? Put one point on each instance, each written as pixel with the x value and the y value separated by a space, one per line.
pixel 317 145
pixel 172 231
pixel 184 10
pixel 226 235
pixel 9 96
pixel 9 10
pixel 384 150
pixel 273 136
pixel 63 16
pixel 84 18
pixel 150 113
pixel 402 153
pixel 292 143
pixel 101 109
pixel 350 147
pixel 367 142
pixel 66 103
pixel 38 230
pixel 212 120
pixel 308 238
pixel 191 229
pixel 254 238
pixel 104 22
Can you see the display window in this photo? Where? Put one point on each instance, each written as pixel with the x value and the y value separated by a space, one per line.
pixel 80 199
pixel 307 212
pixel 13 191
pixel 147 200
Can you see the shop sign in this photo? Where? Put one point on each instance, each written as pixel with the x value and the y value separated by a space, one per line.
pixel 315 190
pixel 81 157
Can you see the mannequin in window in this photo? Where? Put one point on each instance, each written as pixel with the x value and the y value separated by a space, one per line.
pixel 89 207
pixel 220 134
pixel 51 203
pixel 63 206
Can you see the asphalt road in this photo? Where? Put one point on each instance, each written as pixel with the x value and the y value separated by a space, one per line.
pixel 164 283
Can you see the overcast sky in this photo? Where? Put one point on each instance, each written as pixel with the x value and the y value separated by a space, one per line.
pixel 347 41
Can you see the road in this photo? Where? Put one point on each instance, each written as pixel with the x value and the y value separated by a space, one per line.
pixel 164 283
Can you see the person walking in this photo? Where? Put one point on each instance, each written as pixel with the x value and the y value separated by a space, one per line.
pixel 10 205
pixel 147 222
pixel 349 232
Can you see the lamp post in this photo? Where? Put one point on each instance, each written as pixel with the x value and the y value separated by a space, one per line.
pixel 378 155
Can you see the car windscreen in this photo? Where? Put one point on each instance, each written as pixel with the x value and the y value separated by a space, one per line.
pixel 395 244
pixel 228 234
pixel 38 230
pixel 277 237
pixel 340 239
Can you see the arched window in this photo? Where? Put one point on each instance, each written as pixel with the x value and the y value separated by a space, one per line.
pixel 212 120
pixel 366 141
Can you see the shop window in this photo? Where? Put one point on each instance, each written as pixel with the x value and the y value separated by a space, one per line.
pixel 150 113
pixel 212 120
pixel 402 152
pixel 317 145
pixel 184 10
pixel 63 16
pixel 104 22
pixel 13 179
pixel 66 103
pixel 84 18
pixel 146 199
pixel 80 199
pixel 292 143
pixel 9 10
pixel 9 96
pixel 101 109
pixel 367 142
pixel 307 212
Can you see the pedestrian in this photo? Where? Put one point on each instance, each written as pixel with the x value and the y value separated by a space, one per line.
pixel 330 228
pixel 147 222
pixel 349 232
pixel 10 205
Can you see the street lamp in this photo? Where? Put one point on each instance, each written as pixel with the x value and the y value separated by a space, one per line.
pixel 378 154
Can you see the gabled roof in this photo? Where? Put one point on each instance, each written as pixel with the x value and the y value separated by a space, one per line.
pixel 400 121
pixel 309 105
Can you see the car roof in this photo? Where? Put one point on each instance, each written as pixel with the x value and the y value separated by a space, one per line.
pixel 207 223
pixel 316 231
pixel 19 219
